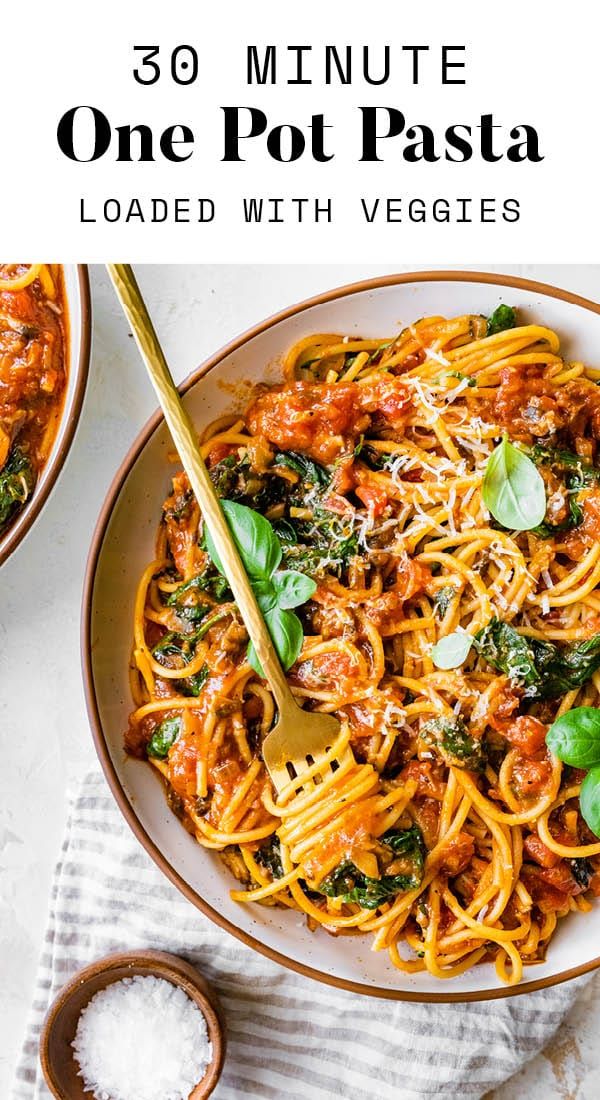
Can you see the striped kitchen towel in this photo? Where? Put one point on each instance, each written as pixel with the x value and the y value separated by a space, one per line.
pixel 288 1037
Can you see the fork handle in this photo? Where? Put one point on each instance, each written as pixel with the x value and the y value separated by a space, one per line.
pixel 186 442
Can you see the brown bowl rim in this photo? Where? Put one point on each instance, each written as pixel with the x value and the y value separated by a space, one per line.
pixel 429 276
pixel 23 524
pixel 162 964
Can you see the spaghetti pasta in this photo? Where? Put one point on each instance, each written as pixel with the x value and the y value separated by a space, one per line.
pixel 450 834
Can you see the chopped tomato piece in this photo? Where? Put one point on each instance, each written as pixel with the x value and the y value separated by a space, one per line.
pixel 505 702
pixel 429 777
pixel 531 776
pixel 412 577
pixel 326 420
pixel 550 887
pixel 526 734
pixel 536 850
pixel 427 817
pixel 183 759
pixel 388 397
pixel 373 496
pixel 220 451
pixel 326 671
pixel 457 854
pixel 594 885
pixel 321 420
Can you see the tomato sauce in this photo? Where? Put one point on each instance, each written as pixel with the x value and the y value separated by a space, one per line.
pixel 33 373
pixel 325 421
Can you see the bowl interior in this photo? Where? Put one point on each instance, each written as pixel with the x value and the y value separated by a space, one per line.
pixel 56 1053
pixel 124 546
pixel 77 344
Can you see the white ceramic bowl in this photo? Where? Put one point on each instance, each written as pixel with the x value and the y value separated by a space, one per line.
pixel 79 327
pixel 123 545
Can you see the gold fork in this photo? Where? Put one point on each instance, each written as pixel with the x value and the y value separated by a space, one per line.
pixel 299 739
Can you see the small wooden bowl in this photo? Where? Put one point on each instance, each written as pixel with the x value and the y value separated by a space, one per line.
pixel 56 1053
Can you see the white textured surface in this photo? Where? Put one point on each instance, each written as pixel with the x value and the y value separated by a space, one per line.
pixel 43 726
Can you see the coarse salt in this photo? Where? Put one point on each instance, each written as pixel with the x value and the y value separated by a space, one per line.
pixel 142 1038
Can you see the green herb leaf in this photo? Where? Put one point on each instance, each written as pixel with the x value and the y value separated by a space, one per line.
pixel 266 595
pixel 293 588
pixel 545 670
pixel 504 317
pixel 254 537
pixel 287 635
pixel 471 382
pixel 309 471
pixel 563 668
pixel 164 737
pixel 193 685
pixel 500 645
pixel 269 856
pixel 216 586
pixel 347 882
pixel 513 489
pixel 563 461
pixel 589 799
pixel 575 737
pixel 453 742
pixel 451 651
pixel 17 482
pixel 285 531
pixel 582 871
pixel 443 599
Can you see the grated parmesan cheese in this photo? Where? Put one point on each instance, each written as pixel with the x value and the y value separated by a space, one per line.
pixel 142 1038
pixel 432 353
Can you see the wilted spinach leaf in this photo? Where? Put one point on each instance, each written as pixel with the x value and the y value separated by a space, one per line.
pixel 454 743
pixel 544 669
pixel 269 856
pixel 17 481
pixel 164 737
pixel 347 882
pixel 503 317
pixel 443 599
pixel 310 471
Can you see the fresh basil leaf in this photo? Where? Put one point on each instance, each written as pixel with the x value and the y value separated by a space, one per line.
pixel 513 489
pixel 589 799
pixel 293 588
pixel 266 595
pixel 575 737
pixel 254 537
pixel 504 317
pixel 163 738
pixel 451 651
pixel 287 635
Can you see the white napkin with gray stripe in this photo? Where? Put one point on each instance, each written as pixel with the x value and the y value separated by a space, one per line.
pixel 288 1037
